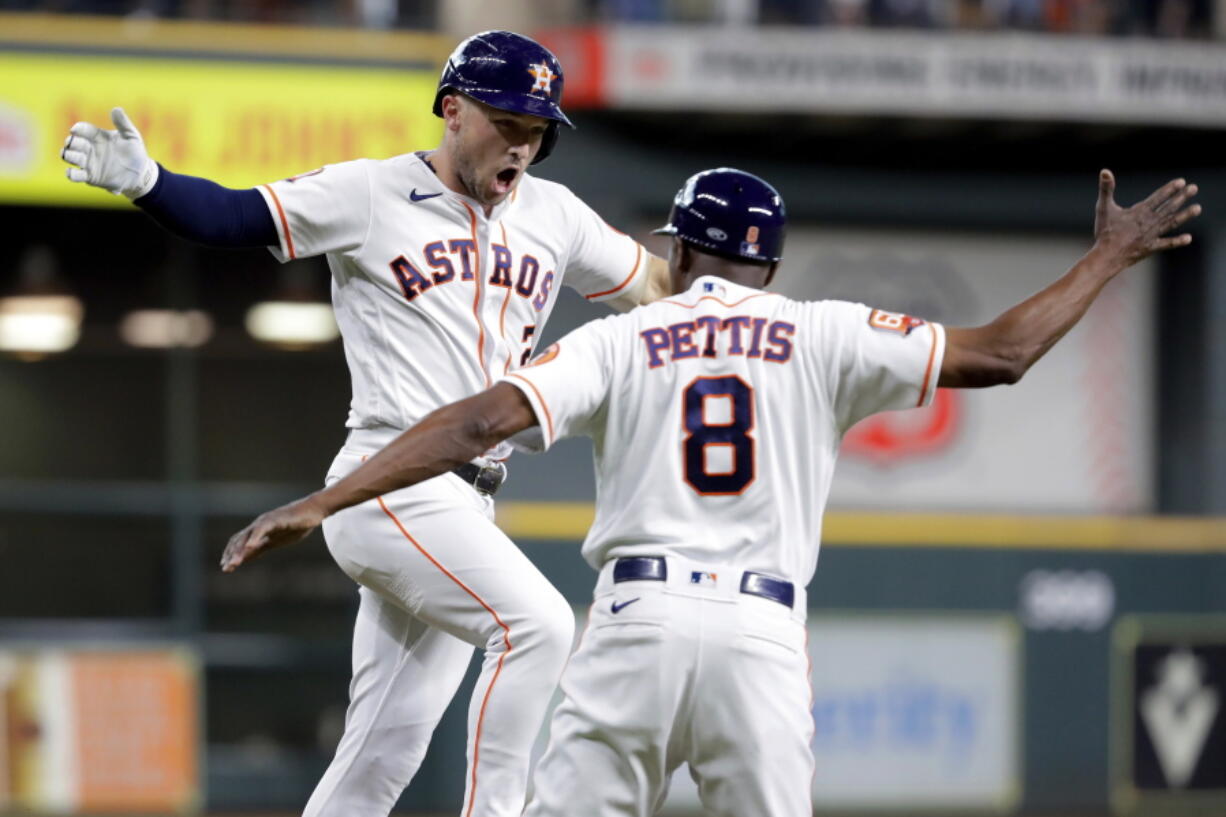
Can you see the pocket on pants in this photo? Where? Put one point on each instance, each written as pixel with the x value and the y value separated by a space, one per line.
pixel 762 620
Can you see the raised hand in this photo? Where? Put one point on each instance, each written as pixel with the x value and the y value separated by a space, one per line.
pixel 115 160
pixel 1136 232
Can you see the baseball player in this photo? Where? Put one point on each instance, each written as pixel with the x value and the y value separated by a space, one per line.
pixel 716 416
pixel 445 265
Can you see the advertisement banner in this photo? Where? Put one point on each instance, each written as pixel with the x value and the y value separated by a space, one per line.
pixel 99 730
pixel 997 75
pixel 914 713
pixel 235 122
pixel 1170 725
pixel 1074 436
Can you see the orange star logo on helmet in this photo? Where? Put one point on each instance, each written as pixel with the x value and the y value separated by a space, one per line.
pixel 544 77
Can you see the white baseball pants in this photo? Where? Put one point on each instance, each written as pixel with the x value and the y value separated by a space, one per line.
pixel 438 578
pixel 682 674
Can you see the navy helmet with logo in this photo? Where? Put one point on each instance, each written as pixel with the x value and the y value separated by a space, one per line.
pixel 731 213
pixel 510 72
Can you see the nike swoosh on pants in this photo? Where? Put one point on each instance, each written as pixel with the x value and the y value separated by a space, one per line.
pixel 617 608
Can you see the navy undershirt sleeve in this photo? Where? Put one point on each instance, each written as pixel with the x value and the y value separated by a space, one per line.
pixel 204 211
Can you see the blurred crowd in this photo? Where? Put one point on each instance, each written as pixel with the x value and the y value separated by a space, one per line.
pixel 1166 19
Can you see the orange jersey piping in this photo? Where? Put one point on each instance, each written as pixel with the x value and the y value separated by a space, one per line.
pixel 638 259
pixel 932 353
pixel 506 299
pixel 718 301
pixel 544 405
pixel 289 239
pixel 472 215
pixel 506 640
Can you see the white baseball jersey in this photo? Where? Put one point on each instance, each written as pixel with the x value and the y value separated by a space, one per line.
pixel 434 299
pixel 717 416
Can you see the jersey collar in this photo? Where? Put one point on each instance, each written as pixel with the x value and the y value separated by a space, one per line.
pixel 717 287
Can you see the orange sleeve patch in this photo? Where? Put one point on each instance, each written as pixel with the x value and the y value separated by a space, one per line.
pixel 545 356
pixel 893 321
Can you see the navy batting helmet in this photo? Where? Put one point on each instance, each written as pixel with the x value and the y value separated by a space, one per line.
pixel 510 72
pixel 729 212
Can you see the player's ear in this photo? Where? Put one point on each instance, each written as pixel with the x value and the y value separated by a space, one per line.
pixel 452 107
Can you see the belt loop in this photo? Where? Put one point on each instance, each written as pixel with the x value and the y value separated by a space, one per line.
pixel 767 587
pixel 640 568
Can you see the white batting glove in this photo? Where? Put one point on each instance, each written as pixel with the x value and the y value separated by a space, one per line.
pixel 114 160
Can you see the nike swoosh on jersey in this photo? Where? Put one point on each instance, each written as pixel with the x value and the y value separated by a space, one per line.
pixel 413 195
pixel 617 608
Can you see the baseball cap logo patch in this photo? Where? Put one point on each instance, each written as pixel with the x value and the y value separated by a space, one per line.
pixel 544 77
pixel 717 234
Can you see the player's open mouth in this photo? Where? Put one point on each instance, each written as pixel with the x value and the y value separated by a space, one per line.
pixel 505 179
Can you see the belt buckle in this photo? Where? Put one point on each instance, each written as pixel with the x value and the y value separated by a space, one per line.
pixel 490 477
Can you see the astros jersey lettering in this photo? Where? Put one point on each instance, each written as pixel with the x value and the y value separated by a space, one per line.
pixel 434 300
pixel 717 416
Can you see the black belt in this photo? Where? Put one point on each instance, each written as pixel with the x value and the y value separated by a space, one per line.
pixel 485 478
pixel 655 569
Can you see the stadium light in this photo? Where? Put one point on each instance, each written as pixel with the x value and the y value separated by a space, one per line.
pixel 41 317
pixel 166 328
pixel 292 325
pixel 297 317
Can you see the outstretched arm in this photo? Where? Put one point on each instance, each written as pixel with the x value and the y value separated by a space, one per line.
pixel 192 208
pixel 445 439
pixel 1003 350
pixel 207 213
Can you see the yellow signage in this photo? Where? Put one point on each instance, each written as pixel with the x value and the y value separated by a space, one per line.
pixel 237 123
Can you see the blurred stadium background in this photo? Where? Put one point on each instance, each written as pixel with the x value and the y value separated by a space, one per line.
pixel 1021 603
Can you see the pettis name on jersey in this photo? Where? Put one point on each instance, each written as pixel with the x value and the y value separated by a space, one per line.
pixel 708 336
